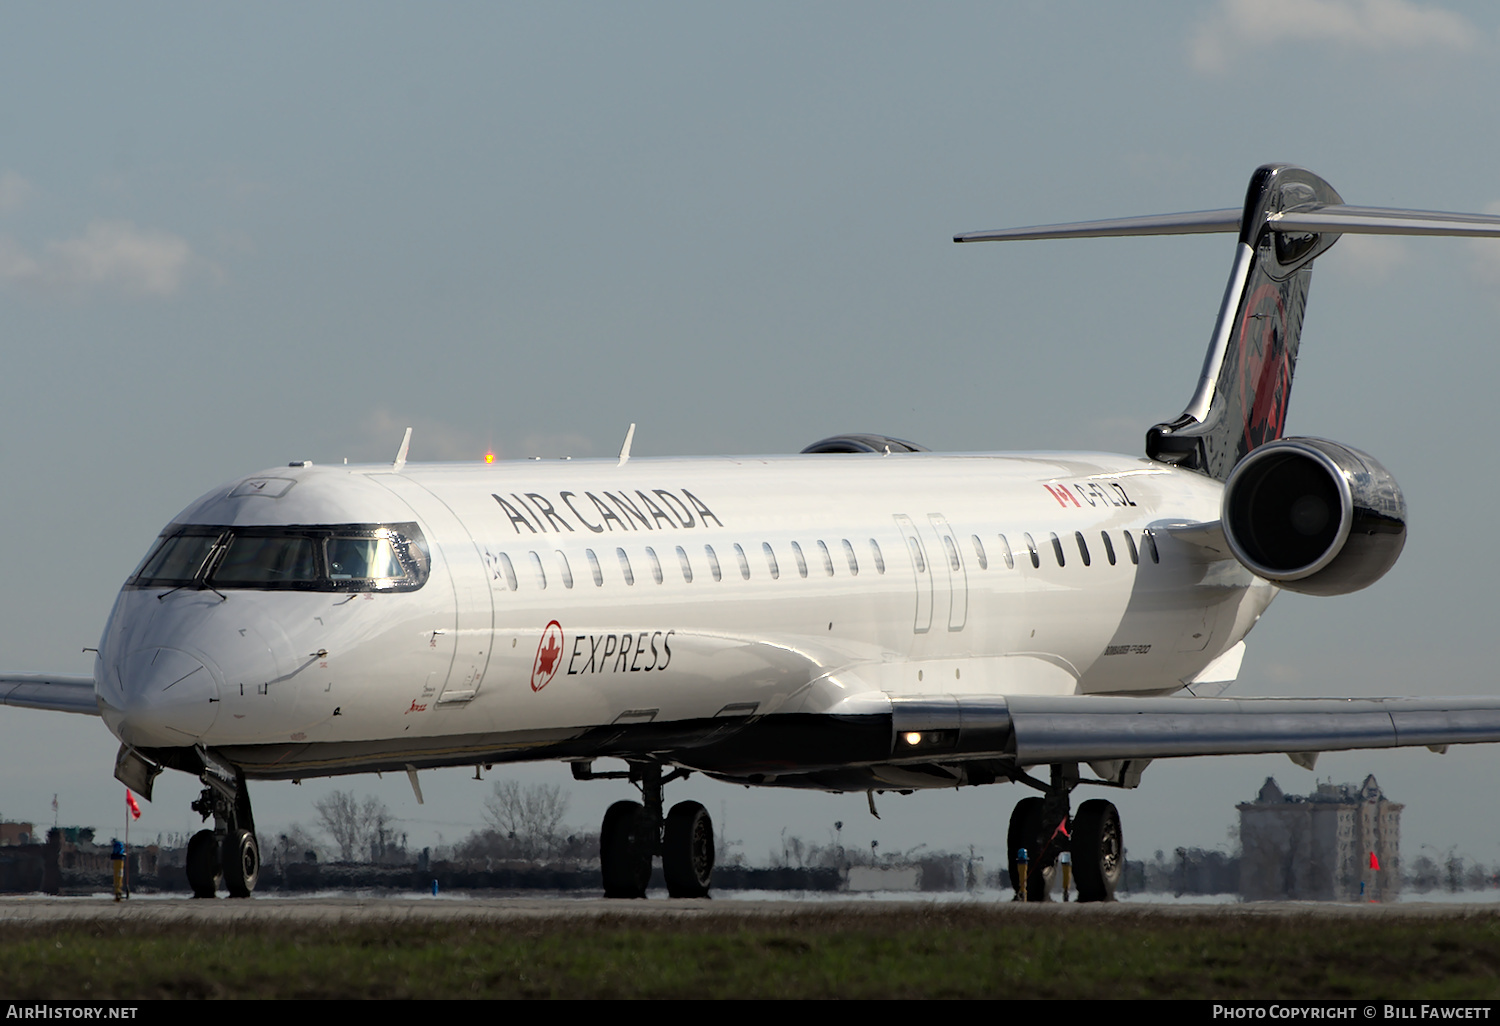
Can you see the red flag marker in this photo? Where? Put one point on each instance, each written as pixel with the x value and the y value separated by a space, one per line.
pixel 135 810
pixel 1374 862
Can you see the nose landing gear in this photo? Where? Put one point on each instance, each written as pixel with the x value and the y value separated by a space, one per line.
pixel 229 852
pixel 634 833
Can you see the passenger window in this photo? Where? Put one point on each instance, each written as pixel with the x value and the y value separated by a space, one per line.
pixel 713 562
pixel 1036 559
pixel 656 574
pixel 827 558
pixel 510 572
pixel 625 566
pixel 1083 550
pixel 744 562
pixel 687 568
pixel 595 567
pixel 1149 537
pixel 875 554
pixel 849 555
pixel 953 563
pixel 984 564
pixel 566 570
pixel 1057 550
pixel 1135 557
pixel 1010 562
pixel 916 555
pixel 801 562
pixel 541 575
pixel 1109 548
pixel 770 554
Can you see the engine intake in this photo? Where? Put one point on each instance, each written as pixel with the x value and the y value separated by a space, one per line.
pixel 864 443
pixel 1314 516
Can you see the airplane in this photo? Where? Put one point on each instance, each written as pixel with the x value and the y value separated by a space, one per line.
pixel 865 615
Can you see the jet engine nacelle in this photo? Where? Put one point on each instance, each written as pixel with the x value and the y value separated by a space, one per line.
pixel 1314 516
pixel 864 443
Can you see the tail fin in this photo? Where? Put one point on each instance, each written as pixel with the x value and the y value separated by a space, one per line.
pixel 1242 395
pixel 1290 217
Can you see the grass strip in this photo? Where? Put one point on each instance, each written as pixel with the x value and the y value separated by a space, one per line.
pixel 930 952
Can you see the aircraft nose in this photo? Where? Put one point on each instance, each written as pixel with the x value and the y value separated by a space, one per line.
pixel 170 698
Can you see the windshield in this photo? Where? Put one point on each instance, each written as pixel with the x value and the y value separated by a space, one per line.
pixel 338 557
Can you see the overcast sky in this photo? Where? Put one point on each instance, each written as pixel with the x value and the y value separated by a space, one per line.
pixel 237 235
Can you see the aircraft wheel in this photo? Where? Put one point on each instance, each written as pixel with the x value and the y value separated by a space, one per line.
pixel 625 850
pixel 1026 832
pixel 241 863
pixel 687 858
pixel 203 864
pixel 1098 850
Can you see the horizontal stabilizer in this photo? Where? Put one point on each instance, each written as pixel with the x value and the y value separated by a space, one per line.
pixel 1195 223
pixel 1330 218
pixel 1384 221
pixel 56 692
pixel 1290 217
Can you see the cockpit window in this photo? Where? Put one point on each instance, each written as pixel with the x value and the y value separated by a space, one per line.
pixel 361 558
pixel 248 561
pixel 178 557
pixel 340 557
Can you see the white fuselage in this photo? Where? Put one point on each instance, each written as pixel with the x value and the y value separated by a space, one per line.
pixel 570 596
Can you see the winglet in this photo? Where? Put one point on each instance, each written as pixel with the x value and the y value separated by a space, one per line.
pixel 625 449
pixel 401 453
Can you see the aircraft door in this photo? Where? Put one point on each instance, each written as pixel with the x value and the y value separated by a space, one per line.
pixel 921 572
pixel 958 576
pixel 473 620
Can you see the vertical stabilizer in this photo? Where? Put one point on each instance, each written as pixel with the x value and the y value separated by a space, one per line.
pixel 1290 217
pixel 1242 394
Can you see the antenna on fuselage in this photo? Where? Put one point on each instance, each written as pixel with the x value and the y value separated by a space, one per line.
pixel 401 452
pixel 625 449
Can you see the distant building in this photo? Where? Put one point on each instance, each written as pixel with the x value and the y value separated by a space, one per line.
pixel 1320 847
pixel 17 833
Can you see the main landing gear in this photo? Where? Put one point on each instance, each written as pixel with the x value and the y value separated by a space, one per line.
pixel 1043 827
pixel 636 832
pixel 229 853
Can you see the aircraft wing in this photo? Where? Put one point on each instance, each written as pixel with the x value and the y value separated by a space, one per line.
pixel 1077 728
pixel 58 692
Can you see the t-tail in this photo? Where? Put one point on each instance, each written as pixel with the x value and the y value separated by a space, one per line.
pixel 1290 217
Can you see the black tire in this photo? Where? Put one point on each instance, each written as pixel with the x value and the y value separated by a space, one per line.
pixel 1098 850
pixel 625 850
pixel 241 863
pixel 203 864
pixel 1026 832
pixel 687 855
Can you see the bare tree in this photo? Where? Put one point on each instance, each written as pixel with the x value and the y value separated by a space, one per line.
pixel 354 826
pixel 531 817
pixel 296 844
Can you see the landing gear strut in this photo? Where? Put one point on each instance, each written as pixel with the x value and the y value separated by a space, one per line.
pixel 229 852
pixel 634 833
pixel 1045 829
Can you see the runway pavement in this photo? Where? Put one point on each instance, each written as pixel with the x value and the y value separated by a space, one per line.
pixel 22 910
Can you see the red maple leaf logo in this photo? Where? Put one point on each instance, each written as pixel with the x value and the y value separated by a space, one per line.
pixel 544 668
pixel 546 657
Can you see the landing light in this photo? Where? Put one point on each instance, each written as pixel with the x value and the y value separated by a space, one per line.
pixel 913 738
pixel 489 457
